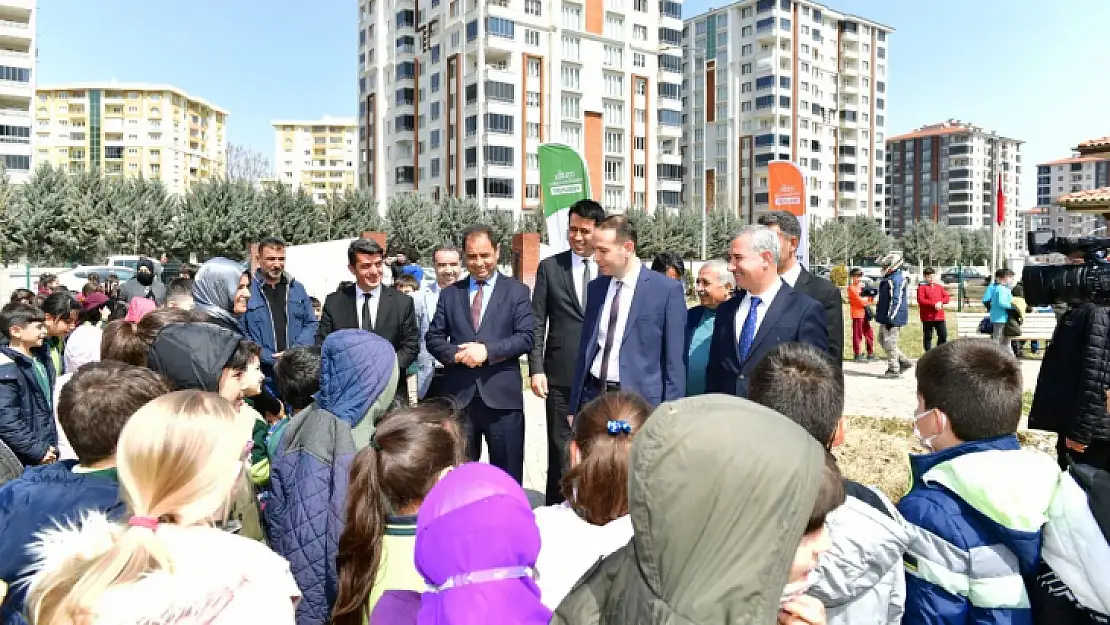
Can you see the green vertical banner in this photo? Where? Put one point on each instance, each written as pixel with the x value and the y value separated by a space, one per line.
pixel 564 180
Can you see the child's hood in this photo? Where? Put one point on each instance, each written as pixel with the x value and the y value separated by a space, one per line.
pixel 867 544
pixel 210 567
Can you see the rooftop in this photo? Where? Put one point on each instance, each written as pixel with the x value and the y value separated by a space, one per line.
pixel 948 127
pixel 326 120
pixel 1091 198
pixel 1101 144
pixel 112 85
pixel 846 17
pixel 1077 159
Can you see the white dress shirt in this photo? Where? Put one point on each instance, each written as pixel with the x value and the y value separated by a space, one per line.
pixel 375 297
pixel 791 275
pixel 628 290
pixel 765 299
pixel 576 265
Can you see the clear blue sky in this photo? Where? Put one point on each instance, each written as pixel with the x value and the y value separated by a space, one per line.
pixel 1030 69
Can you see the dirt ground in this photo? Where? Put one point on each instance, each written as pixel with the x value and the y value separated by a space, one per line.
pixel 876 449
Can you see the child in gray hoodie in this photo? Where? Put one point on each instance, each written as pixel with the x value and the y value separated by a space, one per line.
pixel 861 579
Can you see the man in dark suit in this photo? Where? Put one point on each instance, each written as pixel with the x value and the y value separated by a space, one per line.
pixel 786 226
pixel 368 305
pixel 557 303
pixel 765 313
pixel 634 325
pixel 482 325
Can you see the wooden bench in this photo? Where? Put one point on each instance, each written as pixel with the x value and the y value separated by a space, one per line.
pixel 1036 327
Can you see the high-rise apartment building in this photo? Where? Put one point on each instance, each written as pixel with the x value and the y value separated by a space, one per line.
pixel 947 173
pixel 785 80
pixel 316 155
pixel 1085 169
pixel 455 96
pixel 131 129
pixel 17 86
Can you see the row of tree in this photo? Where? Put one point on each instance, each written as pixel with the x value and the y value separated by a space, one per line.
pixel 63 218
pixel 58 217
pixel 852 241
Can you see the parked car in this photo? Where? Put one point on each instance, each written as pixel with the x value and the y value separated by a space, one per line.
pixel 970 274
pixel 132 263
pixel 75 279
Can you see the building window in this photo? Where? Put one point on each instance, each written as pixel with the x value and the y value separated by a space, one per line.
pixel 572 48
pixel 572 107
pixel 531 191
pixel 571 77
pixel 614 84
pixel 572 16
pixel 498 187
pixel 639 59
pixel 500 27
pixel 498 155
pixel 614 170
pixel 532 37
pixel 614 57
pixel 533 130
pixel 472 30
pixel 500 124
pixel 534 68
pixel 614 26
pixel 533 7
pixel 639 33
pixel 614 141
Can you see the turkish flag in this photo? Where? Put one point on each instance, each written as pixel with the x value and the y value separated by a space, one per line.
pixel 1001 216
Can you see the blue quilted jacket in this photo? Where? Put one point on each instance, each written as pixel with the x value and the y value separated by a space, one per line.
pixel 311 462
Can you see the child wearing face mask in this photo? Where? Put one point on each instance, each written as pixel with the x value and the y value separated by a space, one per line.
pixel 978 500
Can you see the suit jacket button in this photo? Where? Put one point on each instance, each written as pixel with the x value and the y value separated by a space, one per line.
pixel 741 376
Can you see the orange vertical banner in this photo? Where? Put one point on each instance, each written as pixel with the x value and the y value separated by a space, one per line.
pixel 787 192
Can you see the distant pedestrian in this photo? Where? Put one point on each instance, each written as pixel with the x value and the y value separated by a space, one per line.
pixel 892 313
pixel 859 307
pixel 669 264
pixel 145 284
pixel 931 299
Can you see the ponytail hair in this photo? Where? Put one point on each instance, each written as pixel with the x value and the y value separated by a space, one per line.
pixel 410 449
pixel 177 460
pixel 597 487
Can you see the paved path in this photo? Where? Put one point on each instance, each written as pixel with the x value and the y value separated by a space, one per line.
pixel 867 394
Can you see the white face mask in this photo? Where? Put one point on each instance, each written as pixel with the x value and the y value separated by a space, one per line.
pixel 797 588
pixel 927 441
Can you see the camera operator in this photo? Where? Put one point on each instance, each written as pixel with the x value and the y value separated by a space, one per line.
pixel 1072 393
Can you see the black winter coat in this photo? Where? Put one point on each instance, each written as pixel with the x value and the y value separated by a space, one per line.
pixel 1075 374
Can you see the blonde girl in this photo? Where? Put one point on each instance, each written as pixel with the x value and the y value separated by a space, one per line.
pixel 180 458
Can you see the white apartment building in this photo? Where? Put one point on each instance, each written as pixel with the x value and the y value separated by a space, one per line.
pixel 947 173
pixel 456 96
pixel 316 155
pixel 17 86
pixel 1084 170
pixel 785 80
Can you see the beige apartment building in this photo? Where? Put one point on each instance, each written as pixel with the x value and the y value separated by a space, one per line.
pixel 318 156
pixel 131 129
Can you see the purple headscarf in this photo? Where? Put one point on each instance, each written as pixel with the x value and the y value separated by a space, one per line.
pixel 476 537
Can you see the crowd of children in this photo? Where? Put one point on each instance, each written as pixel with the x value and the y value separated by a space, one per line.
pixel 153 486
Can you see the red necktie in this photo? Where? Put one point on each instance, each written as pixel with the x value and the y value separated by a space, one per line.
pixel 476 306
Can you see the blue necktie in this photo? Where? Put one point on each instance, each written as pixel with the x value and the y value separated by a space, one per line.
pixel 747 333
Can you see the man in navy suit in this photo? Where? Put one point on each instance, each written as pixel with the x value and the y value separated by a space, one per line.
pixel 634 326
pixel 766 312
pixel 482 325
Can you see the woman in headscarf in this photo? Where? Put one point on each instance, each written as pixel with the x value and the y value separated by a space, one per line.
pixel 476 547
pixel 221 291
pixel 145 284
pixel 728 500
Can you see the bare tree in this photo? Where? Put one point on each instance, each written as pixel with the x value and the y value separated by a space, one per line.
pixel 245 164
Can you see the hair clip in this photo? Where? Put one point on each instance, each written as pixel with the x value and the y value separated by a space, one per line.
pixel 148 522
pixel 617 427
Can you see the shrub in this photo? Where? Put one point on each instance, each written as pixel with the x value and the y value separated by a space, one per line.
pixel 839 275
